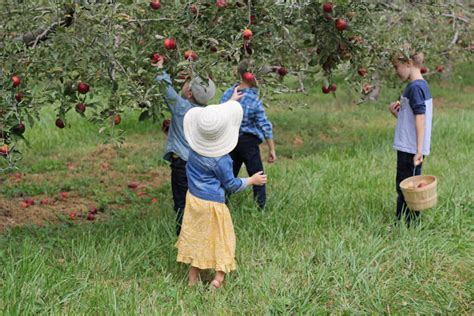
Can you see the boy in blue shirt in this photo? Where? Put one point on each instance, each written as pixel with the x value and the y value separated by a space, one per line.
pixel 195 92
pixel 255 128
pixel 414 114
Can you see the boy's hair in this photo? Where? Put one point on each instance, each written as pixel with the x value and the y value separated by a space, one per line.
pixel 416 59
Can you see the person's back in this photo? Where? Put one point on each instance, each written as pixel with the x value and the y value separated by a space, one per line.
pixel 255 129
pixel 255 121
pixel 207 178
pixel 194 93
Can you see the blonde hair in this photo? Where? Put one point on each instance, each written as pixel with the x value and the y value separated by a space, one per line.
pixel 416 59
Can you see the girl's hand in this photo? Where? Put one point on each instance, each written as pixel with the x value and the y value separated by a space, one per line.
pixel 237 95
pixel 258 179
pixel 418 159
pixel 394 108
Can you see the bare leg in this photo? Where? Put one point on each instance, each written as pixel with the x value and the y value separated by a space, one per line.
pixel 218 279
pixel 193 276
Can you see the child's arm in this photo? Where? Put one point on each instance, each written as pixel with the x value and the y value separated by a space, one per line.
pixel 168 90
pixel 266 127
pixel 420 137
pixel 417 104
pixel 226 96
pixel 232 184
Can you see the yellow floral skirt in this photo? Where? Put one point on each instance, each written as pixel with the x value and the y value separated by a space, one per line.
pixel 207 238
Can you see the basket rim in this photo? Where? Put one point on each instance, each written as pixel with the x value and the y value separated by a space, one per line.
pixel 403 186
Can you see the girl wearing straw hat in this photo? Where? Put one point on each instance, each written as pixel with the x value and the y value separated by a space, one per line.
pixel 207 238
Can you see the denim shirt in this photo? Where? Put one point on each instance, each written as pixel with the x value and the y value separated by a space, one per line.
pixel 178 107
pixel 209 178
pixel 255 121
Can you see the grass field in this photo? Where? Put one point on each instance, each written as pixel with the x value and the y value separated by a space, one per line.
pixel 321 246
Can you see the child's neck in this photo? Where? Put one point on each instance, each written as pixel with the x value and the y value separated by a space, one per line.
pixel 415 75
pixel 244 85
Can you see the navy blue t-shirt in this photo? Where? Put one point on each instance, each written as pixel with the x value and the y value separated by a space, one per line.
pixel 417 92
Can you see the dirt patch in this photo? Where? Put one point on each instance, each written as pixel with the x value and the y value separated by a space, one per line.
pixel 98 167
pixel 14 212
pixel 469 89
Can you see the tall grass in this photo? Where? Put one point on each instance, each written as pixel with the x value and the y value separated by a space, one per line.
pixel 322 245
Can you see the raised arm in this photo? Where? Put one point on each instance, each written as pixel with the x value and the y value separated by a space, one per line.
pixel 171 96
pixel 266 127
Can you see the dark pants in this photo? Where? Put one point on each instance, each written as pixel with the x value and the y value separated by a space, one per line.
pixel 405 170
pixel 247 152
pixel 179 187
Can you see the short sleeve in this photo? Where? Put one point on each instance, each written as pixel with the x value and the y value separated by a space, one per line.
pixel 416 97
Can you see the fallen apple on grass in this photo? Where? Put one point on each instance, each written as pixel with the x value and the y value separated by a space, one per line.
pixel 133 185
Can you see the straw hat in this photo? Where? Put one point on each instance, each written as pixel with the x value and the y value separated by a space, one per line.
pixel 213 131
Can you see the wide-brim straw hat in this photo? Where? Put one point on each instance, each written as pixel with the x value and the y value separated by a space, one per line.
pixel 213 131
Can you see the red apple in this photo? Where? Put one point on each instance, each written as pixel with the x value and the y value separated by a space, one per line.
pixel 133 185
pixel 93 210
pixel 90 217
pixel 247 34
pixel 362 72
pixel 59 123
pixel 154 200
pixel 156 57
pixel 117 119
pixel 24 204
pixel 248 77
pixel 341 24
pixel 80 108
pixel 190 55
pixel 19 129
pixel 421 185
pixel 326 89
pixel 253 20
pixel 19 97
pixel 333 87
pixel 4 150
pixel 327 7
pixel 44 202
pixel 194 9
pixel 83 87
pixel 72 215
pixel 440 68
pixel 16 80
pixel 63 195
pixel 282 71
pixel 29 201
pixel 221 3
pixel 155 4
pixel 213 49
pixel 170 43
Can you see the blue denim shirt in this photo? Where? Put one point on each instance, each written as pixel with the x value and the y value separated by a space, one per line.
pixel 209 178
pixel 178 107
pixel 255 121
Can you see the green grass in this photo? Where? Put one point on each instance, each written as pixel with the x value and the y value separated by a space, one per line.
pixel 321 246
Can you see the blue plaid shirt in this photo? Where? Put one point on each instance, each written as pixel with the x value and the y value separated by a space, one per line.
pixel 255 120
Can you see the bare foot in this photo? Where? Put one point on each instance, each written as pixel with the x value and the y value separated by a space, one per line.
pixel 218 279
pixel 193 276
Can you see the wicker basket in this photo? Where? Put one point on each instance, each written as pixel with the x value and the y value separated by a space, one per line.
pixel 420 192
